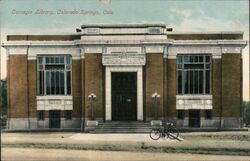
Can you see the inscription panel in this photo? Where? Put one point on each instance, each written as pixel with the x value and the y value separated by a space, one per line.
pixel 124 59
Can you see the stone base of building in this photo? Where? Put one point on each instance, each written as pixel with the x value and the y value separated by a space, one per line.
pixel 33 123
pixel 76 123
pixel 215 122
pixel 156 123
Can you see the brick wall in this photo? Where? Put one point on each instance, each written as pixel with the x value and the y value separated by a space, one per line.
pixel 76 88
pixel 154 82
pixel 216 87
pixel 83 86
pixel 18 88
pixel 32 87
pixel 94 84
pixel 171 93
pixel 231 85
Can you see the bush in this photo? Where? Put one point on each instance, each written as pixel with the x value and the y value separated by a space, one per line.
pixel 3 103
pixel 246 113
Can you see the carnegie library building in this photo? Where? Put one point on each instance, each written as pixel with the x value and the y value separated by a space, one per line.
pixel 131 73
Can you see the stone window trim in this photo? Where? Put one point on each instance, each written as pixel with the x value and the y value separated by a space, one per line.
pixel 187 102
pixel 139 71
pixel 191 72
pixel 54 102
pixel 59 72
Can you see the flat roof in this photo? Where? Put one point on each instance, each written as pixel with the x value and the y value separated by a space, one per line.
pixel 122 25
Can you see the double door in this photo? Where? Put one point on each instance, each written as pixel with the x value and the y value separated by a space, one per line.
pixel 124 96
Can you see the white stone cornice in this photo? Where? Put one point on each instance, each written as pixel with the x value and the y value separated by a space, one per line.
pixel 37 43
pixel 82 52
pixel 18 50
pixel 231 49
pixel 93 50
pixel 53 50
pixel 210 42
pixel 214 47
pixel 174 50
pixel 154 49
pixel 242 43
pixel 165 51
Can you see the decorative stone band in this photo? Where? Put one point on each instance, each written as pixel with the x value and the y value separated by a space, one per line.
pixel 169 48
pixel 122 49
pixel 214 47
pixel 124 59
pixel 189 102
pixel 54 103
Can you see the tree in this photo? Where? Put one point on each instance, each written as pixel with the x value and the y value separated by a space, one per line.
pixel 3 102
pixel 246 112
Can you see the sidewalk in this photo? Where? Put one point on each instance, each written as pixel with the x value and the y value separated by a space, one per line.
pixel 116 137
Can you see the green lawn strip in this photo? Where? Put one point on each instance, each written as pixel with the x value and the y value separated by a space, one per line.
pixel 241 137
pixel 141 147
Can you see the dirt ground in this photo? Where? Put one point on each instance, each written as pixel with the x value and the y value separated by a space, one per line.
pixel 28 154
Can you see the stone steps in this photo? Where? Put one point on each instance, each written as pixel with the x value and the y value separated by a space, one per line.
pixel 123 127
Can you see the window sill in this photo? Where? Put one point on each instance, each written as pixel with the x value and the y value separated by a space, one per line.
pixel 54 102
pixel 63 97
pixel 195 96
pixel 194 102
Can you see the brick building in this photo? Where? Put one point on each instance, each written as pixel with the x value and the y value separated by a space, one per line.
pixel 138 72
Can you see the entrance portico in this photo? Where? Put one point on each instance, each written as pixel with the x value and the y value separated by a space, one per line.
pixel 108 106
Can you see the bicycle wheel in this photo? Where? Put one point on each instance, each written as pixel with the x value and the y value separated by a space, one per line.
pixel 155 134
pixel 173 133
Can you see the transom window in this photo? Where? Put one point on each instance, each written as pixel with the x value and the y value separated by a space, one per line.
pixel 54 75
pixel 193 74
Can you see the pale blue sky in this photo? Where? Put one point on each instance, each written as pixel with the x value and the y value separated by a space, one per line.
pixel 181 15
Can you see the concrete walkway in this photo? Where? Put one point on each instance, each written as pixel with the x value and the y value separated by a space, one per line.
pixel 116 137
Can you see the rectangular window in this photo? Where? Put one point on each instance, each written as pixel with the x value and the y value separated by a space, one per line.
pixel 193 74
pixel 208 114
pixel 180 114
pixel 54 75
pixel 67 115
pixel 40 115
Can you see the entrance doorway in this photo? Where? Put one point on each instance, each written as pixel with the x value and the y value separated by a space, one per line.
pixel 194 118
pixel 54 119
pixel 124 96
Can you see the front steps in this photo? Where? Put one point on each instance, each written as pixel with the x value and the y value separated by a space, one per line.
pixel 123 127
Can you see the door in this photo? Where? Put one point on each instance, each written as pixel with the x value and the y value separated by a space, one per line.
pixel 124 96
pixel 194 118
pixel 54 118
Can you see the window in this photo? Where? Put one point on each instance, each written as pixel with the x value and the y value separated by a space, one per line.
pixel 40 115
pixel 67 114
pixel 193 74
pixel 54 75
pixel 180 114
pixel 208 114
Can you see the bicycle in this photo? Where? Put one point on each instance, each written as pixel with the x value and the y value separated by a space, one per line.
pixel 168 131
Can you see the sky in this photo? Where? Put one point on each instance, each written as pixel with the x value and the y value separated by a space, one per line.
pixel 64 16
